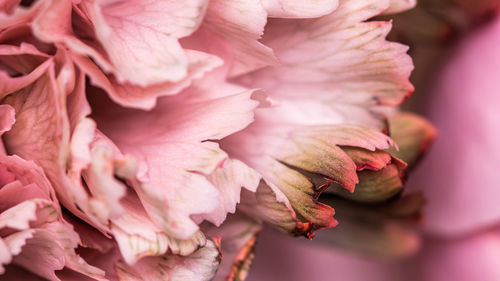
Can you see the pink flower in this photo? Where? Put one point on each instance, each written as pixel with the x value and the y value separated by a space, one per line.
pixel 460 220
pixel 169 131
pixel 33 233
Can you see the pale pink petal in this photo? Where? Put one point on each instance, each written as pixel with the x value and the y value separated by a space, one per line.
pixel 21 66
pixel 241 25
pixel 201 265
pixel 130 95
pixel 41 134
pixel 44 250
pixel 229 179
pixel 298 164
pixel 22 180
pixel 299 8
pixel 141 38
pixel 27 214
pixel 7 119
pixel 296 192
pixel 5 256
pixel 69 240
pixel 53 24
pixel 81 137
pixel 137 236
pixel 77 105
pixel 358 69
pixel 41 254
pixel 82 128
pixel 173 160
pixel 270 205
pixel 297 143
pixel 398 6
pixel 41 236
pixel 100 174
pixel 135 245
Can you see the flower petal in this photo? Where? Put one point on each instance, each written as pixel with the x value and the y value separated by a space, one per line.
pixel 359 69
pixel 140 37
pixel 174 154
pixel 48 127
pixel 36 244
pixel 272 206
pixel 229 179
pixel 299 8
pixel 201 265
pixel 5 256
pixel 398 6
pixel 21 61
pixel 135 96
pixel 241 24
pixel 413 134
pixel 7 119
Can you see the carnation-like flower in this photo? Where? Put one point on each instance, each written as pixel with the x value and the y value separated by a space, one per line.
pixel 461 218
pixel 165 133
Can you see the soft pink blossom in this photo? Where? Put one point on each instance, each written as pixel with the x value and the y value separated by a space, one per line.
pixel 167 132
pixel 460 220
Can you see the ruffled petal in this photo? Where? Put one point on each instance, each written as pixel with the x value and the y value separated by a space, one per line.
pixel 174 153
pixel 299 164
pixel 22 67
pixel 269 204
pixel 28 214
pixel 241 25
pixel 48 127
pixel 135 96
pixel 7 119
pixel 5 256
pixel 398 6
pixel 140 37
pixel 299 8
pixel 357 71
pixel 229 179
pixel 201 265
pixel 36 244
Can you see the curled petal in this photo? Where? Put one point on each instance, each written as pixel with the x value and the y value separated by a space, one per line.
pixel 201 265
pixel 299 8
pixel 413 134
pixel 130 95
pixel 141 38
pixel 241 25
pixel 229 179
pixel 357 71
pixel 174 153
pixel 398 6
